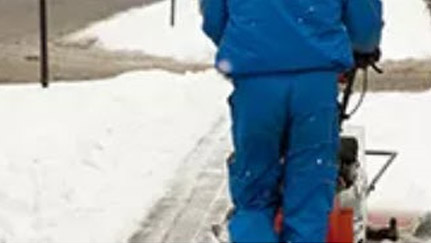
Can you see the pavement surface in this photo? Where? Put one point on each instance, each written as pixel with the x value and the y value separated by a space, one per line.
pixel 198 198
pixel 19 48
pixel 19 42
pixel 19 18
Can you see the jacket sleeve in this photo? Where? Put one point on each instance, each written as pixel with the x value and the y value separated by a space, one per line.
pixel 215 16
pixel 364 23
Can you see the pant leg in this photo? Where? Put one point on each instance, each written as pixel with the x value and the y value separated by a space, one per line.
pixel 258 115
pixel 311 152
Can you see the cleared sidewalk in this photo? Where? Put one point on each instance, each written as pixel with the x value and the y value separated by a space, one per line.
pixel 198 197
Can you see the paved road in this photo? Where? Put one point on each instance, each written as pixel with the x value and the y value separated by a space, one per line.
pixel 19 18
pixel 19 45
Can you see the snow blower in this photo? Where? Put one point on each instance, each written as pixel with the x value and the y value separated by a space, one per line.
pixel 350 220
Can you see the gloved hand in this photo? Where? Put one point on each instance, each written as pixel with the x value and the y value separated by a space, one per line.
pixel 364 60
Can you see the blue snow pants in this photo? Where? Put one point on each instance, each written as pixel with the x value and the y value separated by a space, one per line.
pixel 285 135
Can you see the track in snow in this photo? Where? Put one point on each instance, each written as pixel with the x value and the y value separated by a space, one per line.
pixel 197 198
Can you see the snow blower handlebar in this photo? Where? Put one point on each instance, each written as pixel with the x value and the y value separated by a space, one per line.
pixel 391 157
pixel 363 61
pixel 347 78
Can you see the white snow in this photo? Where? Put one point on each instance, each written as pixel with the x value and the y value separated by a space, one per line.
pixel 407 32
pixel 83 162
pixel 401 122
pixel 147 29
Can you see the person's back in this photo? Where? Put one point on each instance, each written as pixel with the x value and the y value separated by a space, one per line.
pixel 263 36
pixel 284 57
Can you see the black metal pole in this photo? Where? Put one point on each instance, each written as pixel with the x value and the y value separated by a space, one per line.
pixel 173 3
pixel 44 64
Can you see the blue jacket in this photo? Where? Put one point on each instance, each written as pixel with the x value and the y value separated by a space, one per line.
pixel 270 36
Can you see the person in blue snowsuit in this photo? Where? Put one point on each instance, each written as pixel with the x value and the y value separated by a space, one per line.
pixel 283 57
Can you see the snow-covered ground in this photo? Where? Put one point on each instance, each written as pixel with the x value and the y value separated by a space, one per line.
pixel 407 32
pixel 401 122
pixel 83 162
pixel 147 29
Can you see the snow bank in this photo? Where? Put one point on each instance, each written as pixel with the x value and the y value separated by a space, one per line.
pixel 82 162
pixel 401 122
pixel 147 29
pixel 407 32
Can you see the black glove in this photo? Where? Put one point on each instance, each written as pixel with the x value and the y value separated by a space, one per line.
pixel 364 60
